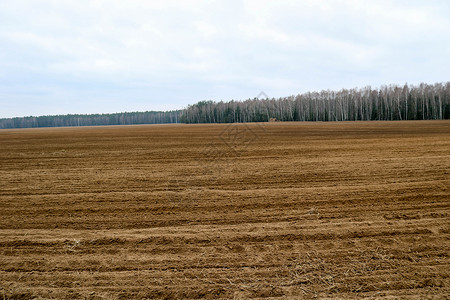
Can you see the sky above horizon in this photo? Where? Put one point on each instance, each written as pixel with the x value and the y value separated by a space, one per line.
pixel 103 56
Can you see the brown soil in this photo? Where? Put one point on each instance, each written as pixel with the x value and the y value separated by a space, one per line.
pixel 279 210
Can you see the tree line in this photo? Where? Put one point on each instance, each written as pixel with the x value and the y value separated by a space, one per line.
pixel 126 118
pixel 392 102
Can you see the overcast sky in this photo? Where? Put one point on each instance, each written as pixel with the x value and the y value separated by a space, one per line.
pixel 86 56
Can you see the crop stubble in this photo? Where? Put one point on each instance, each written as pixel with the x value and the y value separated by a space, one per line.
pixel 226 211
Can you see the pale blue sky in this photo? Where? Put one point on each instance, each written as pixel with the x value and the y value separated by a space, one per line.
pixel 83 56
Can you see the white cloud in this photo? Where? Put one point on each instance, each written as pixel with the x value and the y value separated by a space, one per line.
pixel 156 54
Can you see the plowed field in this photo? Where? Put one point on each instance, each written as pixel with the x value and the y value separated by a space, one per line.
pixel 280 210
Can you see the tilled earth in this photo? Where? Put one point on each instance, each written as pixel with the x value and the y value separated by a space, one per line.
pixel 279 210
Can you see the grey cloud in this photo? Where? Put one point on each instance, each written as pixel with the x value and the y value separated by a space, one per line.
pixel 123 55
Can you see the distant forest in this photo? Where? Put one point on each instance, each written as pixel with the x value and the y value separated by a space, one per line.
pixel 393 102
pixel 127 118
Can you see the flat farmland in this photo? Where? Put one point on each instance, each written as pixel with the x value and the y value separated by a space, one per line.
pixel 274 210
